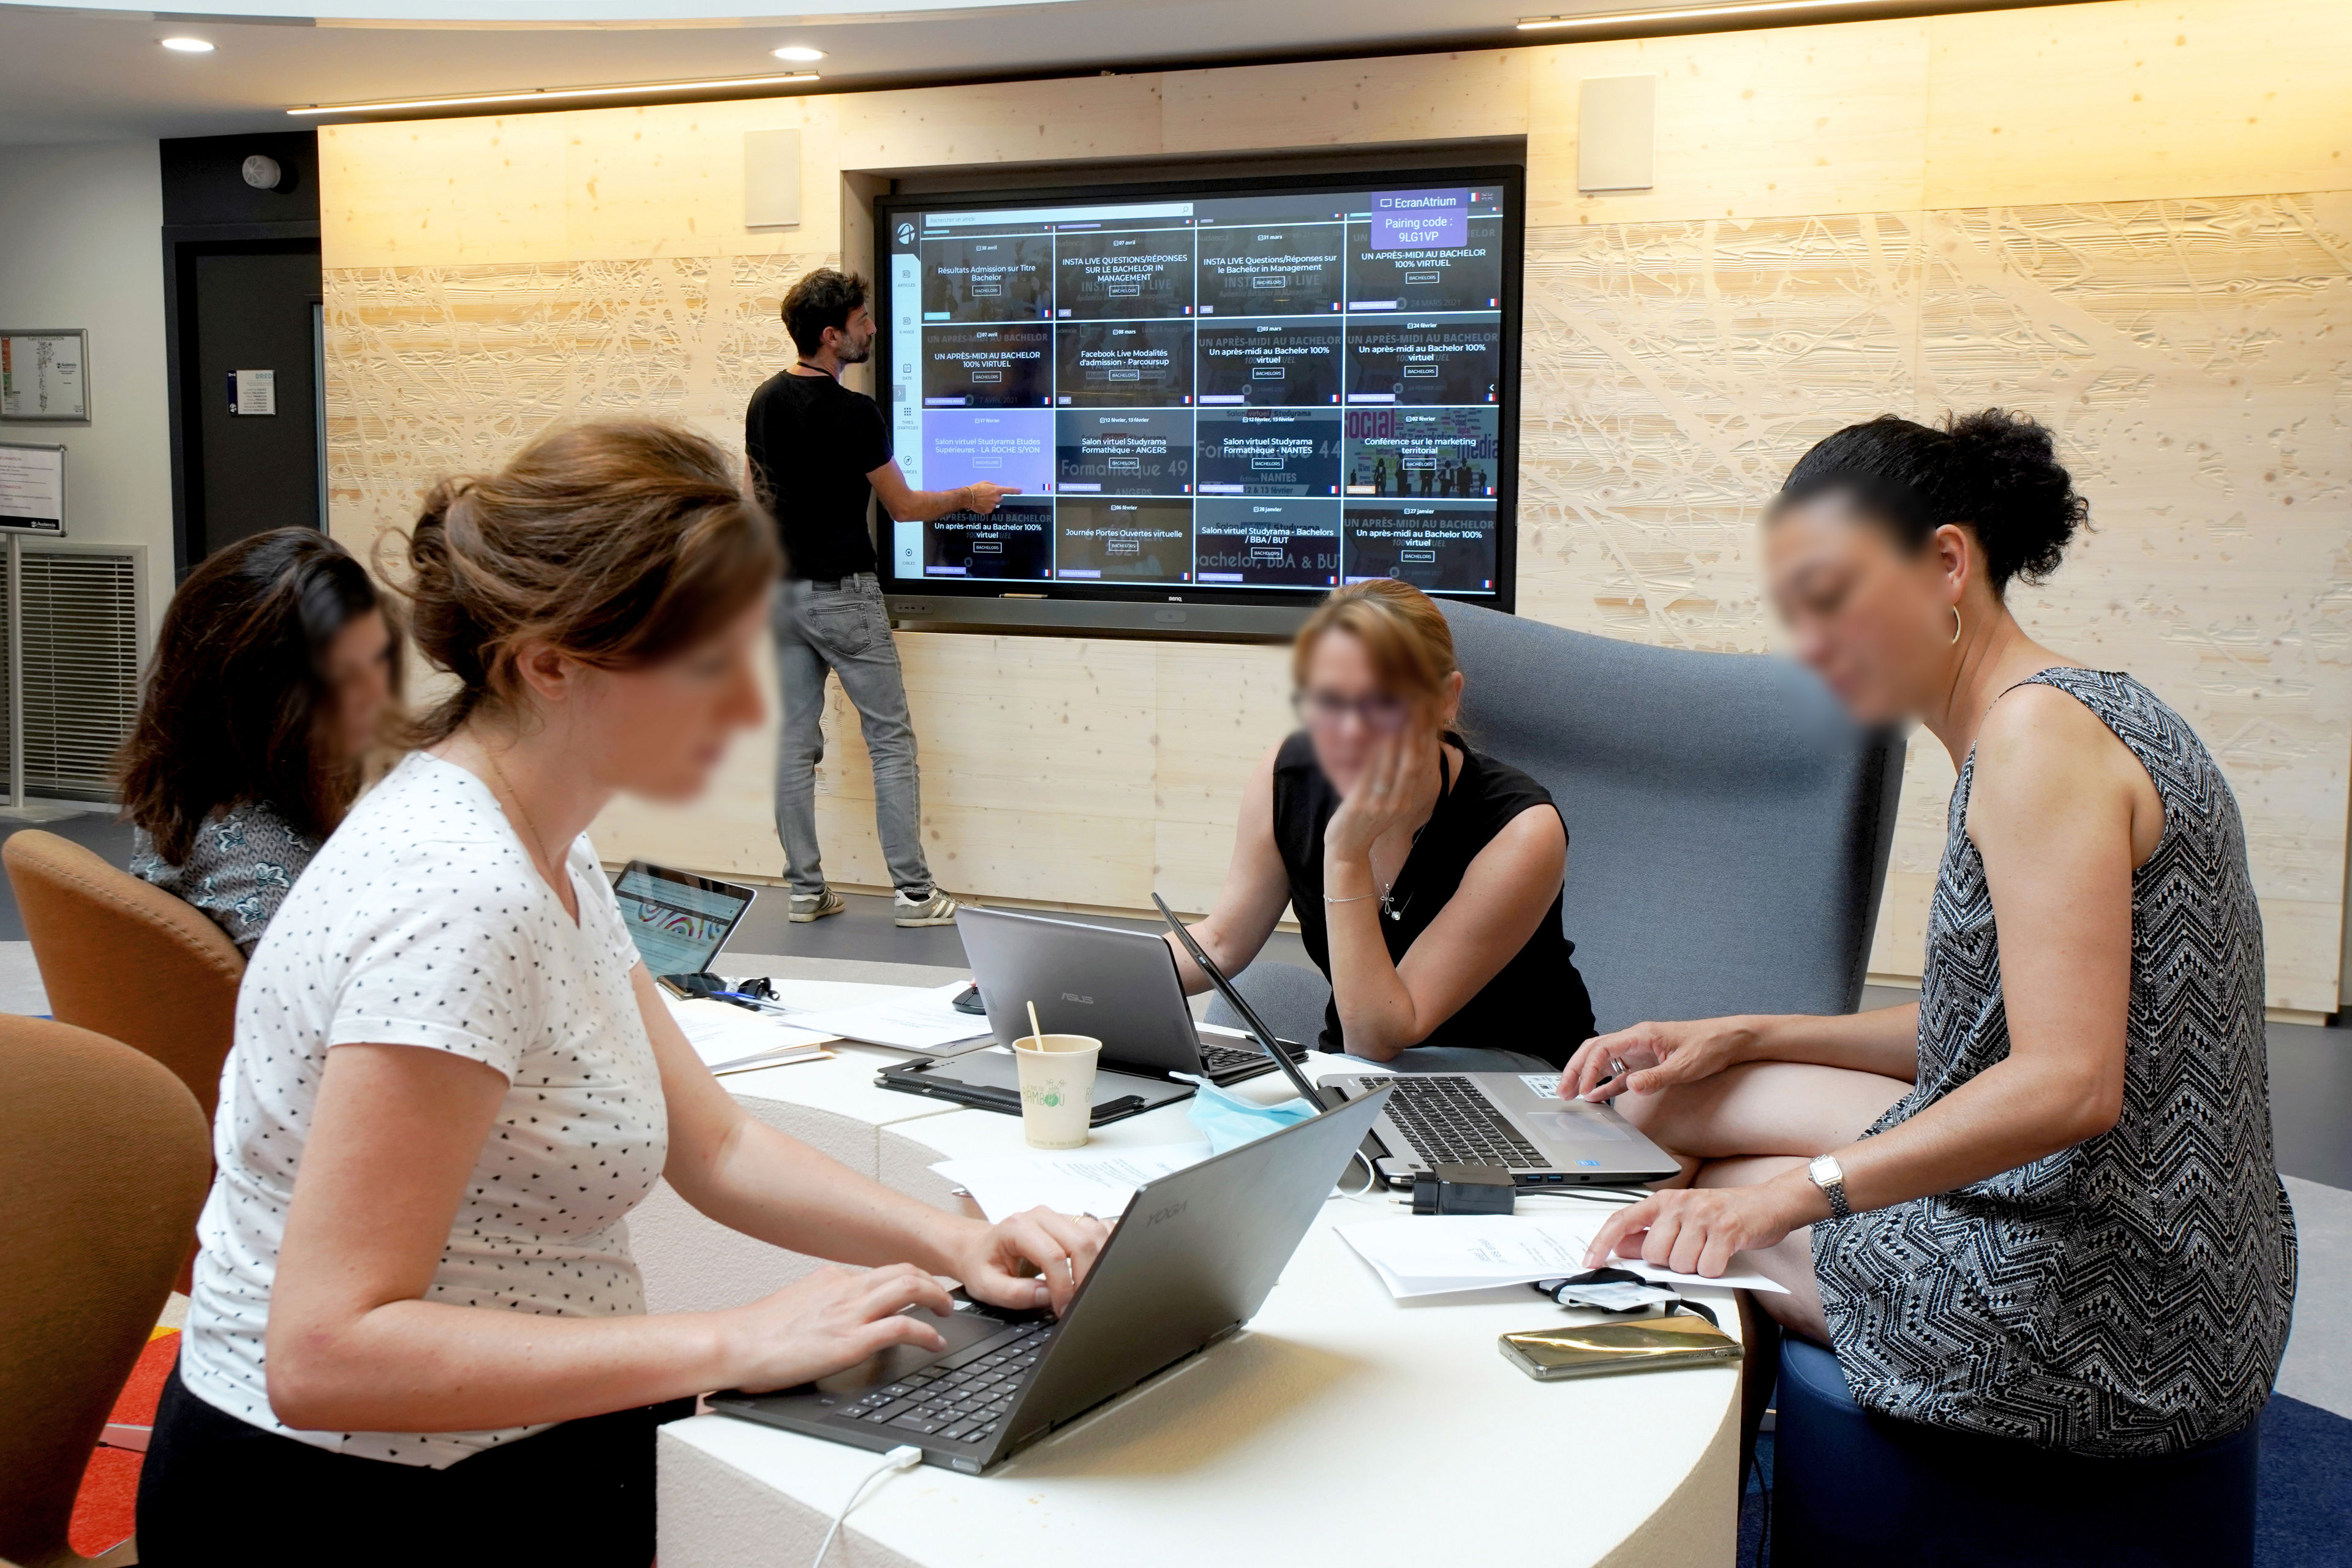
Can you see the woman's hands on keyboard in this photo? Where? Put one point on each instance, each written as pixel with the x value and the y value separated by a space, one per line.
pixel 1032 1260
pixel 834 1319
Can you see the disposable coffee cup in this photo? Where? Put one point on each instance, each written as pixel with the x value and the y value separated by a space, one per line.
pixel 1057 1087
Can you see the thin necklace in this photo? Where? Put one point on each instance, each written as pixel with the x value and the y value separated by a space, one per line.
pixel 536 847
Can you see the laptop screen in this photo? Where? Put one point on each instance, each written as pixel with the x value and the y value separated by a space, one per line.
pixel 678 921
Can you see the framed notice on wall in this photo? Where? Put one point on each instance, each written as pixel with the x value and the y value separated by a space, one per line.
pixel 45 375
pixel 32 490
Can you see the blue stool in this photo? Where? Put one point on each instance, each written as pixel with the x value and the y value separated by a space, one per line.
pixel 1853 1487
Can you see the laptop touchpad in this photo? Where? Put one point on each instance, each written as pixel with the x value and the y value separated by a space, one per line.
pixel 1572 1127
pixel 958 1329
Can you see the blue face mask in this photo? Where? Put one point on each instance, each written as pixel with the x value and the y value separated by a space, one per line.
pixel 1228 1121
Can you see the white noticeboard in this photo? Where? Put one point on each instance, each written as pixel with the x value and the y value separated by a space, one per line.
pixel 32 490
pixel 45 375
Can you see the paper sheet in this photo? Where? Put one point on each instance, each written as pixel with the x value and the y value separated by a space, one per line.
pixel 917 1019
pixel 1099 1182
pixel 730 1039
pixel 1431 1255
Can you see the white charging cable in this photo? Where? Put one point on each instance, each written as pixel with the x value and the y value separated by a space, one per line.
pixel 905 1457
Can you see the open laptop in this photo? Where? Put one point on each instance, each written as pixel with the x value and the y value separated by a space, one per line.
pixel 1117 986
pixel 680 921
pixel 1190 1262
pixel 1509 1119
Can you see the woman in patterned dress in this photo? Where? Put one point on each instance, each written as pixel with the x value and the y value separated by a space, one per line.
pixel 2050 1210
pixel 270 681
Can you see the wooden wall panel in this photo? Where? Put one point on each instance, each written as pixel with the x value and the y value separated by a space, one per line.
pixel 1761 124
pixel 446 370
pixel 1219 710
pixel 443 192
pixel 2128 101
pixel 1670 372
pixel 1075 120
pixel 2192 357
pixel 658 182
pixel 2067 210
pixel 1348 103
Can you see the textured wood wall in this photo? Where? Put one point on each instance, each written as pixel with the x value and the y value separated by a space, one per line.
pixel 2129 219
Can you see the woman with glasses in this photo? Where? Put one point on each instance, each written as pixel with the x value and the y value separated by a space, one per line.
pixel 1425 878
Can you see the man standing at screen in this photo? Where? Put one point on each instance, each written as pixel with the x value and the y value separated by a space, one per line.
pixel 819 453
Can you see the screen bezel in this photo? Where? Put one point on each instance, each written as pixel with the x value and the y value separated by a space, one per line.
pixel 1511 177
pixel 699 883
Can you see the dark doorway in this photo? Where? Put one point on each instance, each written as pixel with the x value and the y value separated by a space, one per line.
pixel 242 292
pixel 254 310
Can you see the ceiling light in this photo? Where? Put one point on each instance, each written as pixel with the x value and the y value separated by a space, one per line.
pixel 188 46
pixel 801 52
pixel 547 94
pixel 1692 12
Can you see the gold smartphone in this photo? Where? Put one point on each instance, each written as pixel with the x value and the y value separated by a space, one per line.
pixel 1598 1350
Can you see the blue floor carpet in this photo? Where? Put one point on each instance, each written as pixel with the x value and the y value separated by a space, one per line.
pixel 2302 1519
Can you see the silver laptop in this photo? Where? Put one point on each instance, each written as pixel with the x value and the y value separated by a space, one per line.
pixel 1119 986
pixel 1190 1261
pixel 1509 1119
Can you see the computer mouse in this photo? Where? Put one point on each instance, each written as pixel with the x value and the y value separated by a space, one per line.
pixel 968 1001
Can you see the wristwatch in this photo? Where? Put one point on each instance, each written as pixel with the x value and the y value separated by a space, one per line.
pixel 1830 1177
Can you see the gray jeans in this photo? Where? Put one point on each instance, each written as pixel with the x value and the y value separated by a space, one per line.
pixel 845 630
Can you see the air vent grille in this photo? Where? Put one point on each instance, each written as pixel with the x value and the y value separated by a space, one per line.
pixel 81 681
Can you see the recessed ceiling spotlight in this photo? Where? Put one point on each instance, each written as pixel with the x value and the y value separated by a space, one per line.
pixel 799 52
pixel 188 46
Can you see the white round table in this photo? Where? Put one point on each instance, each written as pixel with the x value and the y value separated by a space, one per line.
pixel 1341 1426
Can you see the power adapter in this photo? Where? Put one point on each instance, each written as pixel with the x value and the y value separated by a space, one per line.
pixel 1464 1189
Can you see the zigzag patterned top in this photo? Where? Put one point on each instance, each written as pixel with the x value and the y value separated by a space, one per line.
pixel 2129 1296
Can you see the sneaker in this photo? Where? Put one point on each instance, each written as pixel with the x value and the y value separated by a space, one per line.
pixel 807 907
pixel 938 909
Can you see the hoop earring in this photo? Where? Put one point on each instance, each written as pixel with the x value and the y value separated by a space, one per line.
pixel 1956 626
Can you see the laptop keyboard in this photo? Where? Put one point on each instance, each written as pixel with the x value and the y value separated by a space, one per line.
pixel 962 1397
pixel 1450 1123
pixel 1217 1059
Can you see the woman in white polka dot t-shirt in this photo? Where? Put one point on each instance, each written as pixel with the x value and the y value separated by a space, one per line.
pixel 416 1332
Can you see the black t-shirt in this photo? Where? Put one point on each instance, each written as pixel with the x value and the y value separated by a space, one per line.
pixel 1537 1003
pixel 811 442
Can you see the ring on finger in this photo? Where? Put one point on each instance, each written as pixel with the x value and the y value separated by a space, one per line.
pixel 1617 1067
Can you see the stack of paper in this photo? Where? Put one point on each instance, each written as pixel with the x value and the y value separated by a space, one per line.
pixel 917 1019
pixel 1430 1254
pixel 730 1039
pixel 1099 1182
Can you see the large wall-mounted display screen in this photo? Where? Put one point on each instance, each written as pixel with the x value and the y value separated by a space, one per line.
pixel 1237 392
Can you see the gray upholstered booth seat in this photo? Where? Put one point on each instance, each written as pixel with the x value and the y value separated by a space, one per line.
pixel 1729 826
pixel 1290 997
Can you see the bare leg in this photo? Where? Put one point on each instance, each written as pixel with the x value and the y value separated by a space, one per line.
pixel 1787 1263
pixel 1764 1108
pixel 1752 1123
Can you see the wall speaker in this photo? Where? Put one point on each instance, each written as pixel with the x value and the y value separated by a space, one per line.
pixel 1617 133
pixel 772 179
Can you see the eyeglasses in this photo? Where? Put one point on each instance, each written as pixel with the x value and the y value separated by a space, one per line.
pixel 1326 710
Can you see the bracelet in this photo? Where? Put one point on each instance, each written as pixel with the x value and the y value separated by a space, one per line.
pixel 1356 899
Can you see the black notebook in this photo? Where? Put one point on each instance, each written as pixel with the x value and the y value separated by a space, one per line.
pixel 989 1080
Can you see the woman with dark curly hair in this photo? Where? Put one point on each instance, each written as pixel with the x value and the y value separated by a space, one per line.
pixel 270 680
pixel 2040 1203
